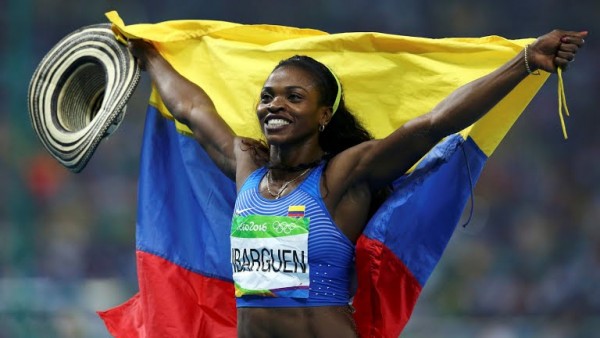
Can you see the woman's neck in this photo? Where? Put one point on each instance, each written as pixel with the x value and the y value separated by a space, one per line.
pixel 294 158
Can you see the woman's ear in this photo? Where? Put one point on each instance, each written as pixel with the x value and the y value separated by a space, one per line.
pixel 326 114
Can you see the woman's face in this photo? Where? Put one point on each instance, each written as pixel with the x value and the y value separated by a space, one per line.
pixel 289 109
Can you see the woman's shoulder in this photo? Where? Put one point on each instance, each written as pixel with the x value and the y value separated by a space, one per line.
pixel 344 169
pixel 352 156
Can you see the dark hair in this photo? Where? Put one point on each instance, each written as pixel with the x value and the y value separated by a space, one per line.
pixel 344 130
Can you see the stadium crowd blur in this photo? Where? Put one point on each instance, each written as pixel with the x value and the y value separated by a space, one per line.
pixel 526 265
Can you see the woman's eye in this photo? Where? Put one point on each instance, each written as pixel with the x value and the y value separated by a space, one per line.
pixel 294 97
pixel 265 98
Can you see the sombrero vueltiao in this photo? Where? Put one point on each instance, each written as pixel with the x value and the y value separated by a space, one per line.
pixel 79 91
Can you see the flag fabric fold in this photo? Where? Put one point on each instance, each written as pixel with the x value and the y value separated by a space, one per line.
pixel 185 204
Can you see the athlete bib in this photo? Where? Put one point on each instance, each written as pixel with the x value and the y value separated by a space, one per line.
pixel 269 256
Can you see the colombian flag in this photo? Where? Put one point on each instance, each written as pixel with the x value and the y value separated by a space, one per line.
pixel 296 211
pixel 185 204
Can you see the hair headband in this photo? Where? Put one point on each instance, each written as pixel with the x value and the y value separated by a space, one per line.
pixel 338 97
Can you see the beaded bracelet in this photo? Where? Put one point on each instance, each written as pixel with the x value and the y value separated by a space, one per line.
pixel 537 72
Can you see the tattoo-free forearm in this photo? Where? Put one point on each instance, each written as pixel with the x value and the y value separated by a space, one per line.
pixel 190 105
pixel 470 102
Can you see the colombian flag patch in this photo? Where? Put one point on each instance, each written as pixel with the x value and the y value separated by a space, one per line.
pixel 296 211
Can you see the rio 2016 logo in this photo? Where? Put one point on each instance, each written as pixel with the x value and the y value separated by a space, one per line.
pixel 251 226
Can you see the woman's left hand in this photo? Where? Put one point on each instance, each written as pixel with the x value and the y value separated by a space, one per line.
pixel 555 49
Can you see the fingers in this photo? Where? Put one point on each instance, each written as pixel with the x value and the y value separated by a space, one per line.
pixel 570 42
pixel 574 38
pixel 566 54
pixel 561 63
pixel 142 50
pixel 137 52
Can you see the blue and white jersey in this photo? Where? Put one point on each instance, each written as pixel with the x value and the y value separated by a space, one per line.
pixel 288 252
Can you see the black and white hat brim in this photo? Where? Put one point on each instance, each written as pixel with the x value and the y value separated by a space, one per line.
pixel 79 91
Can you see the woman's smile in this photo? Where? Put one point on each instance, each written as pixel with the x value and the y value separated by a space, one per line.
pixel 274 124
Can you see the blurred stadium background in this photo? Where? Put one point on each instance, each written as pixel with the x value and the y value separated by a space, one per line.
pixel 528 264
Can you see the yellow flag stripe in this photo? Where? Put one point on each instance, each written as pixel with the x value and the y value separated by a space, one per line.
pixel 387 79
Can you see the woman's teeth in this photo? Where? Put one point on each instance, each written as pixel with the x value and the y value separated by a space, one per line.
pixel 276 123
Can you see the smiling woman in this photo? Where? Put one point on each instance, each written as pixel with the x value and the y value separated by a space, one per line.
pixel 304 197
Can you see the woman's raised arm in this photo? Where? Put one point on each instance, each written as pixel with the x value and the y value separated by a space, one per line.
pixel 190 105
pixel 461 108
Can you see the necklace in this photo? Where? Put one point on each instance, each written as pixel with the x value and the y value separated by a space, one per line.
pixel 299 167
pixel 284 186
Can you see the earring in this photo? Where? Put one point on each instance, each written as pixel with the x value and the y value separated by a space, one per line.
pixel 321 128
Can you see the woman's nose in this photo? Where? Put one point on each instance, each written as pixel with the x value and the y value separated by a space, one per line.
pixel 275 104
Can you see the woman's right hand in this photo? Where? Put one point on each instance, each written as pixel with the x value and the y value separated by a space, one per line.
pixel 143 51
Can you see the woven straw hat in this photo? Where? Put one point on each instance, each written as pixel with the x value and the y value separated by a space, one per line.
pixel 79 91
